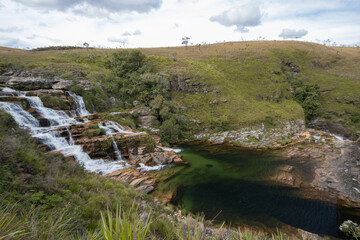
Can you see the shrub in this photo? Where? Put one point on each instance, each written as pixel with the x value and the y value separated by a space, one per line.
pixel 163 228
pixel 270 120
pixel 308 96
pixel 96 132
pixel 125 62
pixel 220 123
pixel 170 131
pixel 355 117
pixel 55 102
pixel 351 229
pixel 75 88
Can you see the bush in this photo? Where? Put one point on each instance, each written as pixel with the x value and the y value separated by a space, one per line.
pixel 220 123
pixel 351 229
pixel 55 102
pixel 170 131
pixel 308 96
pixel 270 121
pixel 75 88
pixel 355 117
pixel 96 132
pixel 125 62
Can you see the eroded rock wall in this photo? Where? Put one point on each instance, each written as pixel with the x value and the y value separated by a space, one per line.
pixel 257 136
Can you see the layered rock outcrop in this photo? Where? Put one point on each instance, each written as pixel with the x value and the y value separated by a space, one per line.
pixel 333 168
pixel 38 83
pixel 257 136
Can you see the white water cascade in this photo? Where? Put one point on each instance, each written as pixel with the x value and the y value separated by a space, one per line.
pixel 80 105
pixel 6 89
pixel 51 137
pixel 176 150
pixel 55 117
pixel 71 139
pixel 110 129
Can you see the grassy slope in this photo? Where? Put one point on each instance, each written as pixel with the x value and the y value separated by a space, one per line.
pixel 245 72
pixel 248 74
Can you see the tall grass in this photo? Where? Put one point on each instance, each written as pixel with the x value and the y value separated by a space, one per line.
pixel 196 229
pixel 125 225
pixel 34 225
pixel 10 225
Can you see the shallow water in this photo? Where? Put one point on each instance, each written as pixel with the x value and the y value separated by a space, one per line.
pixel 231 184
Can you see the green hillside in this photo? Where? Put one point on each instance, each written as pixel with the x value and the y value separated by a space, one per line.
pixel 230 85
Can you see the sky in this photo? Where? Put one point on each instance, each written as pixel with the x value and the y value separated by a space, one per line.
pixel 30 24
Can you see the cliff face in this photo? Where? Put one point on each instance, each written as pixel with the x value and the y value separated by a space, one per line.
pixel 258 136
pixel 331 168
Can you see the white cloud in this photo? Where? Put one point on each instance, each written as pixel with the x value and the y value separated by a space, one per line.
pixel 109 5
pixel 292 33
pixel 68 22
pixel 125 34
pixel 244 16
pixel 128 34
pixel 11 42
pixel 137 32
pixel 10 29
pixel 118 40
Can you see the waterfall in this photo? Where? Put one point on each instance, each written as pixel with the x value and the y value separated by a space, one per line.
pixel 116 150
pixel 80 105
pixel 113 127
pixel 71 140
pixel 9 92
pixel 143 167
pixel 6 89
pixel 176 150
pixel 52 138
pixel 22 117
pixel 55 117
pixel 110 132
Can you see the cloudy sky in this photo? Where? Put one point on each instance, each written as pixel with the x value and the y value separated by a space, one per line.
pixel 156 23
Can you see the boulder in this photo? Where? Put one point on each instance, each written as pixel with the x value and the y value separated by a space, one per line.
pixel 160 158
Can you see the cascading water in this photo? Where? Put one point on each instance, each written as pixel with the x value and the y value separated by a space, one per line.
pixel 111 127
pixel 110 131
pixel 71 140
pixel 55 117
pixel 176 150
pixel 52 138
pixel 6 89
pixel 80 105
pixel 23 118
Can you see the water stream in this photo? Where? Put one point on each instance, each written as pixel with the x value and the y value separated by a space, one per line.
pixel 50 137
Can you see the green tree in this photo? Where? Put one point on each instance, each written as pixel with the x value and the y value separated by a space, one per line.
pixel 170 131
pixel 126 62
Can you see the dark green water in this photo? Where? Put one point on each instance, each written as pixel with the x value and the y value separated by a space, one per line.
pixel 231 184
